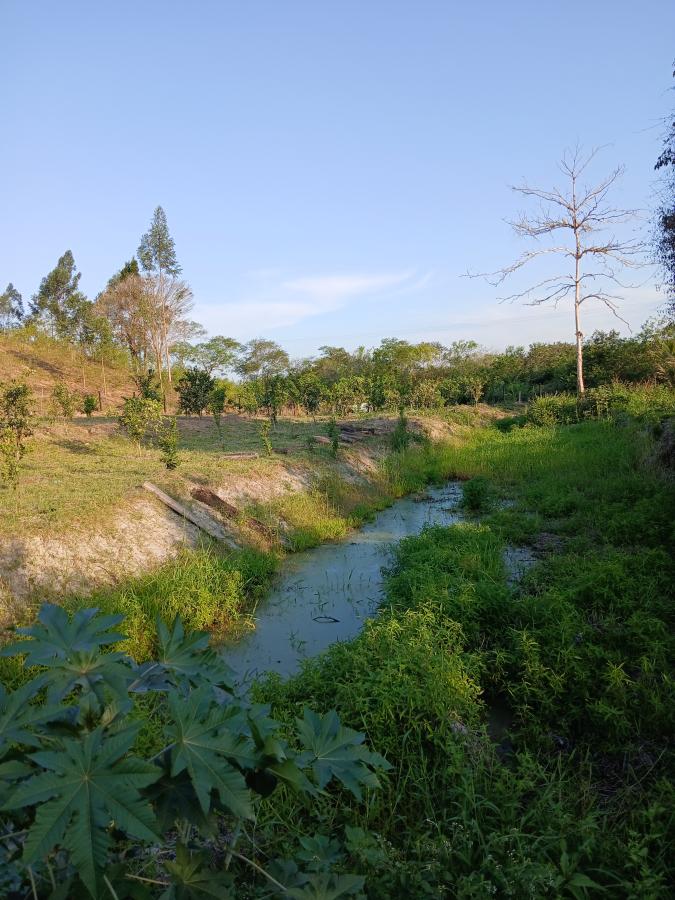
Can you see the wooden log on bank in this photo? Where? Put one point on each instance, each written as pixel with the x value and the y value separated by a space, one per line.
pixel 210 498
pixel 206 524
pixel 240 455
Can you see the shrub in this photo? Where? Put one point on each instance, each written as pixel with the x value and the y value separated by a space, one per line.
pixel 139 416
pixel 167 441
pixel 334 435
pixel 148 386
pixel 194 390
pixel 89 404
pixel 216 403
pixel 265 429
pixel 553 409
pixel 478 494
pixel 63 400
pixel 400 437
pixel 16 418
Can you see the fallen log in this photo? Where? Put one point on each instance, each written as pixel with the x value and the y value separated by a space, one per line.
pixel 210 498
pixel 240 455
pixel 206 524
pixel 321 439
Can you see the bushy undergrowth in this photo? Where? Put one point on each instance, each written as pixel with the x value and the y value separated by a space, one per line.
pixel 649 403
pixel 209 590
pixel 577 800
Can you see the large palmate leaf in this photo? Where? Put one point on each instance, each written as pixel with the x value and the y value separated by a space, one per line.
pixel 71 650
pixel 18 716
pixel 183 660
pixel 324 886
pixel 334 751
pixel 192 879
pixel 203 745
pixel 87 785
pixel 56 636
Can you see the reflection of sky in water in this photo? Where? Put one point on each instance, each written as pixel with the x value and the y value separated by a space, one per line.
pixel 323 595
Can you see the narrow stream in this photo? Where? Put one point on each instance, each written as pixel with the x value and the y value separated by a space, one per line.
pixel 324 595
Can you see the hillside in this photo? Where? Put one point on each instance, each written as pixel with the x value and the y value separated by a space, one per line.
pixel 46 361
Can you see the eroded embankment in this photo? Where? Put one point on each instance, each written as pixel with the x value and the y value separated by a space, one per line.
pixel 276 503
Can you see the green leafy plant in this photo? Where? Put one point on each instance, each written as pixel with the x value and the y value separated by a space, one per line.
pixel 138 416
pixel 89 404
pixel 63 400
pixel 265 440
pixel 71 782
pixel 334 435
pixel 167 441
pixel 194 391
pixel 216 405
pixel 478 494
pixel 148 386
pixel 400 437
pixel 16 426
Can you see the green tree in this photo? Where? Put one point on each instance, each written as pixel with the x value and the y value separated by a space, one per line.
pixel 59 305
pixel 157 251
pixel 214 356
pixel 11 308
pixel 194 391
pixel 157 256
pixel 261 358
pixel 16 426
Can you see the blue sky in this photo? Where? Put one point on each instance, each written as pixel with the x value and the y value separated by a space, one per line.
pixel 329 169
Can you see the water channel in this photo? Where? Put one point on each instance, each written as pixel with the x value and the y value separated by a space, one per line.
pixel 324 595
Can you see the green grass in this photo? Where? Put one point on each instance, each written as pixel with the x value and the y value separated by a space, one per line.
pixel 91 460
pixel 211 591
pixel 578 800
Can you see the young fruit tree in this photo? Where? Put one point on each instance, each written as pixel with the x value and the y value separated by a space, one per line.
pixel 592 256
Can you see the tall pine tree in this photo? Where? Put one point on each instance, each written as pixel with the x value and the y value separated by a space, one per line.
pixel 157 255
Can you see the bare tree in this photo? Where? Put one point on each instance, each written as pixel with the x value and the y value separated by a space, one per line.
pixel 147 317
pixel 596 257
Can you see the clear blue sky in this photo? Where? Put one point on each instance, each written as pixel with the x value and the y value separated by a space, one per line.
pixel 328 169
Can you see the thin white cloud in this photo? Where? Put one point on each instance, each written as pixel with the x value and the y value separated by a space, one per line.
pixel 342 287
pixel 275 301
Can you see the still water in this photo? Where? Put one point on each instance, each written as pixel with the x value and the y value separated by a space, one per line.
pixel 324 595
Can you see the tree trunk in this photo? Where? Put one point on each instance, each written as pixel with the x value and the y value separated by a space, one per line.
pixel 577 326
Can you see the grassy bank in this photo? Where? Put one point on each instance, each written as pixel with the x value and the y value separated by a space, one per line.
pixel 576 799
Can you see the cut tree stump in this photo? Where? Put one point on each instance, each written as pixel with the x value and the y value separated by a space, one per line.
pixel 206 524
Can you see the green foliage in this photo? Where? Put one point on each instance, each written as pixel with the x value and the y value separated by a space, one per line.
pixel 157 252
pixel 11 308
pixel 140 417
pixel 401 437
pixel 648 403
pixel 167 441
pixel 209 590
pixel 148 386
pixel 70 775
pixel 265 440
pixel 89 404
pixel 333 433
pixel 478 494
pixel 16 426
pixel 194 391
pixel 63 400
pixel 216 403
pixel 575 799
